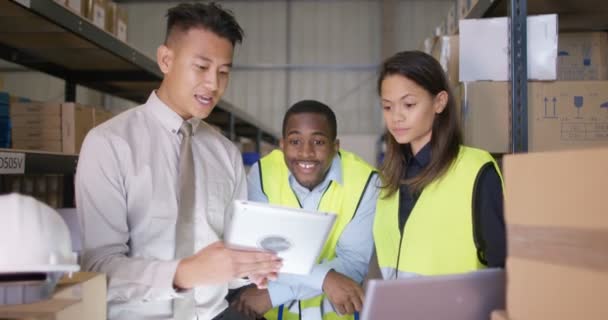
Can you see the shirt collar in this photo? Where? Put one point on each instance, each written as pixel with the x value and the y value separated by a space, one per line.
pixel 422 158
pixel 167 117
pixel 334 174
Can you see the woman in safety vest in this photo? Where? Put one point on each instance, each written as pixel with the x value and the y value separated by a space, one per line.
pixel 440 211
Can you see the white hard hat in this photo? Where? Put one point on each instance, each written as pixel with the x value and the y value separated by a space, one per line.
pixel 33 238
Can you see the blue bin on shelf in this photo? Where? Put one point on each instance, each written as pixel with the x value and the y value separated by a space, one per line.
pixel 5 98
pixel 249 158
pixel 5 132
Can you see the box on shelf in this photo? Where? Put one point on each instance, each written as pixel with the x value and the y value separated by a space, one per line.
pixel 452 20
pixel 484 48
pixel 101 116
pixel 445 50
pixel 96 11
pixel 81 297
pixel 56 127
pixel 76 121
pixel 555 211
pixel 464 7
pixel 561 115
pixel 583 56
pixel 117 20
pixel 76 6
pixel 37 144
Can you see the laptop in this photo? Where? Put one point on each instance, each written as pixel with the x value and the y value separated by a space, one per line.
pixel 296 235
pixel 467 296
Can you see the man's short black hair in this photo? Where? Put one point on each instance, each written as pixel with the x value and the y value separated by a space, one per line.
pixel 313 106
pixel 212 17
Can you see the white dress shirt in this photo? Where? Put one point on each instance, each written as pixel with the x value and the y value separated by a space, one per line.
pixel 127 194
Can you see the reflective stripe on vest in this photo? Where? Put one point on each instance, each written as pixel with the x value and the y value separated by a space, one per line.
pixel 438 235
pixel 342 199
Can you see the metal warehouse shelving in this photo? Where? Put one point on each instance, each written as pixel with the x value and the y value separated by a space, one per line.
pixel 44 36
pixel 572 14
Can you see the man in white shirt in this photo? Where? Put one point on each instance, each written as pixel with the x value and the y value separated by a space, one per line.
pixel 131 196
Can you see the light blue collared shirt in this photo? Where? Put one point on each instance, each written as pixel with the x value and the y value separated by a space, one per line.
pixel 355 245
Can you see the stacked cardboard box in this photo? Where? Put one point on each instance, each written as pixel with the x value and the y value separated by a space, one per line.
pixel 36 126
pixel 445 50
pixel 76 121
pixel 76 6
pixel 117 20
pixel 55 127
pixel 101 116
pixel 83 296
pixel 557 222
pixel 561 115
pixel 583 56
pixel 96 11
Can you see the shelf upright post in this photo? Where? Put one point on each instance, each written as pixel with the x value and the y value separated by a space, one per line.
pixel 231 126
pixel 70 90
pixel 258 141
pixel 519 75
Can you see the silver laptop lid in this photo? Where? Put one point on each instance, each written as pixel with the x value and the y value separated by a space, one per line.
pixel 467 296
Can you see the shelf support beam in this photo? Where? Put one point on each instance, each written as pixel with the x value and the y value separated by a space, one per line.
pixel 519 75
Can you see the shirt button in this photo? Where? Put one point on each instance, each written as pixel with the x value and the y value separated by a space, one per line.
pixel 173 131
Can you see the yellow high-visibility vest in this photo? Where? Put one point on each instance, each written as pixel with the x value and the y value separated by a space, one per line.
pixel 438 235
pixel 342 199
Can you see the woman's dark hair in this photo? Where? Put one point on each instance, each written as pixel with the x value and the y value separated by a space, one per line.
pixel 446 138
pixel 212 17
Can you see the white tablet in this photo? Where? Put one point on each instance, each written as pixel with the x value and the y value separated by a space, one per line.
pixel 296 235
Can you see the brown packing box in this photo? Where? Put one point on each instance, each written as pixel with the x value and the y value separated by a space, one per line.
pixel 81 297
pixel 76 121
pixel 36 120
pixel 499 315
pixel 452 20
pixel 445 50
pixel 582 56
pixel 37 144
pixel 555 210
pixel 118 20
pixel 101 116
pixel 36 108
pixel 75 6
pixel 33 132
pixel 111 8
pixel 96 11
pixel 561 115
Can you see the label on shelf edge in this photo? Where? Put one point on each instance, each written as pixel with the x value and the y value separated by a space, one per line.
pixel 12 163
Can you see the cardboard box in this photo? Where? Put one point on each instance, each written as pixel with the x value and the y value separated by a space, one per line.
pixel 82 297
pixel 452 20
pixel 555 210
pixel 76 6
pixel 484 48
pixel 76 121
pixel 96 11
pixel 561 115
pixel 117 20
pixel 583 56
pixel 37 144
pixel 499 315
pixel 36 108
pixel 34 132
pixel 441 29
pixel 101 116
pixel 446 52
pixel 36 120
